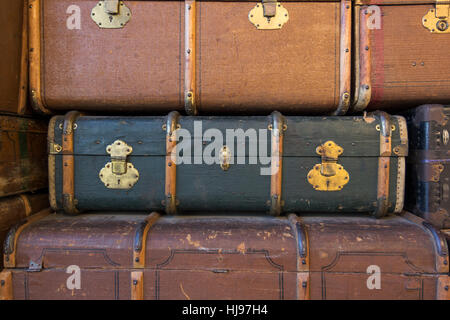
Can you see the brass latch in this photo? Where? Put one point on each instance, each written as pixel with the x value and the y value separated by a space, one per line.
pixel 437 20
pixel 54 148
pixel 329 175
pixel 268 15
pixel 111 14
pixel 225 158
pixel 119 174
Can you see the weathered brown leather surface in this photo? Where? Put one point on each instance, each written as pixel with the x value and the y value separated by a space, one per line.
pixel 227 258
pixel 15 208
pixel 232 258
pixel 134 68
pixel 23 154
pixel 11 22
pixel 239 68
pixel 409 63
pixel 341 250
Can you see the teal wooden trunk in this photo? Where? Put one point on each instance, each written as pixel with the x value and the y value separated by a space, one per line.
pixel 325 164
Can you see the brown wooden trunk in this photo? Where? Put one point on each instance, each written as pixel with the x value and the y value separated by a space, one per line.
pixel 14 209
pixel 399 63
pixel 204 56
pixel 14 61
pixel 104 256
pixel 23 155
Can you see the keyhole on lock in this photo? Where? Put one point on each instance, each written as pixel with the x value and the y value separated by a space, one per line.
pixel 442 25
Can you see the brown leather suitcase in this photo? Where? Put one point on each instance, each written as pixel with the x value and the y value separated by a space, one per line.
pixel 202 56
pixel 23 155
pixel 400 53
pixel 107 256
pixel 14 61
pixel 15 208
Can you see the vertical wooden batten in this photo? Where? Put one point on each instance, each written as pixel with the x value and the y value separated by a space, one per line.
pixel 345 58
pixel 170 201
pixel 6 290
pixel 190 93
pixel 363 66
pixel 68 168
pixel 383 164
pixel 277 128
pixel 303 270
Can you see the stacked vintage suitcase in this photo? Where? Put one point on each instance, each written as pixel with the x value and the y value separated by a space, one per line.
pixel 233 150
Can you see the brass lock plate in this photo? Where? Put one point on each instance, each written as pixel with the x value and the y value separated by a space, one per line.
pixel 119 174
pixel 437 20
pixel 329 175
pixel 261 22
pixel 110 14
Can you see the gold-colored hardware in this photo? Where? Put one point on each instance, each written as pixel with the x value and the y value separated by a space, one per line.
pixel 55 148
pixel 437 20
pixel 111 14
pixel 436 170
pixel 269 15
pixel 224 158
pixel 329 175
pixel 119 174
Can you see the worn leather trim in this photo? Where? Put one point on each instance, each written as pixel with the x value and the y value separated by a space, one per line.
pixel 140 240
pixel 400 190
pixel 10 245
pixel 23 78
pixel 26 204
pixel 439 241
pixel 34 27
pixel 68 168
pixel 51 164
pixel 303 272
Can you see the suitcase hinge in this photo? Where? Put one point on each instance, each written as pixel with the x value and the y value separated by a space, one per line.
pixel 119 174
pixel 329 175
pixel 111 14
pixel 269 15
pixel 437 20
